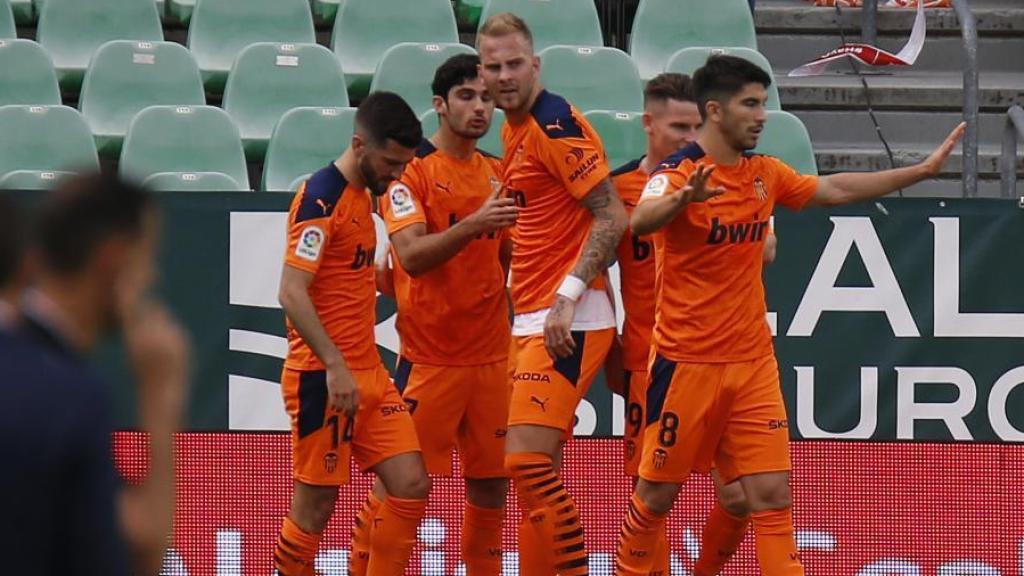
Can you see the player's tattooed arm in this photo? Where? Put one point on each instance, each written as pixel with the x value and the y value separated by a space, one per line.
pixel 610 221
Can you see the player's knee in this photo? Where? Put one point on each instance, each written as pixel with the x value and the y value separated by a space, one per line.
pixel 312 507
pixel 487 493
pixel 773 496
pixel 733 500
pixel 412 486
pixel 658 497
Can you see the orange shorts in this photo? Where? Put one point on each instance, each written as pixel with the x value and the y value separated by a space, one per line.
pixel 545 392
pixel 464 406
pixel 323 439
pixel 633 435
pixel 731 416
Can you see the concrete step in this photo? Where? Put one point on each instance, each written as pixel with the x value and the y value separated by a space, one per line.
pixel 844 157
pixel 901 90
pixel 993 18
pixel 905 128
pixel 941 53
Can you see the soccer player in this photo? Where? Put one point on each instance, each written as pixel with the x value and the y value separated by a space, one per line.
pixel 336 390
pixel 714 391
pixel 446 216
pixel 570 222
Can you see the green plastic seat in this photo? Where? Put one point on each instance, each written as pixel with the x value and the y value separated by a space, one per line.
pixel 221 29
pixel 571 22
pixel 32 179
pixel 365 29
pixel 37 7
pixel 622 134
pixel 785 137
pixel 181 10
pixel 45 139
pixel 8 28
pixel 688 60
pixel 271 79
pixel 183 139
pixel 407 69
pixel 26 74
pixel 663 27
pixel 467 13
pixel 304 141
pixel 126 77
pixel 592 78
pixel 72 30
pixel 491 142
pixel 191 182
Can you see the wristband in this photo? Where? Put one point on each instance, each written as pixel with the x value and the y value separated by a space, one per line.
pixel 572 288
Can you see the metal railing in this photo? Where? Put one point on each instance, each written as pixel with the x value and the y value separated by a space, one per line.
pixel 969 32
pixel 1013 134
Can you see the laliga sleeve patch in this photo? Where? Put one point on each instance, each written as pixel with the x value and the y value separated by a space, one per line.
pixel 311 243
pixel 402 205
pixel 656 187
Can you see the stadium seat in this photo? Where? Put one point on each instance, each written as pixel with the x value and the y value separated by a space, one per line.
pixel 365 29
pixel 26 74
pixel 622 134
pixel 490 143
pixel 45 139
pixel 183 139
pixel 663 27
pixel 37 6
pixel 221 29
pixel 125 77
pixel 407 69
pixel 573 22
pixel 304 141
pixel 191 182
pixel 467 13
pixel 22 12
pixel 688 60
pixel 786 138
pixel 271 79
pixel 32 179
pixel 71 30
pixel 592 78
pixel 7 26
pixel 181 10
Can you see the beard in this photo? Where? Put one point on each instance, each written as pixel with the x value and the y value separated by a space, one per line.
pixel 373 180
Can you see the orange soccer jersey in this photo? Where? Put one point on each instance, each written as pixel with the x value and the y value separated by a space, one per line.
pixel 637 268
pixel 711 307
pixel 331 235
pixel 457 313
pixel 553 158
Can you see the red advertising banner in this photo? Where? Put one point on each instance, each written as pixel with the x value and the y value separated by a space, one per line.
pixel 861 509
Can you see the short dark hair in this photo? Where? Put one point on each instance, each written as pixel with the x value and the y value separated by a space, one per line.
pixel 384 116
pixel 12 240
pixel 82 213
pixel 454 72
pixel 669 86
pixel 723 77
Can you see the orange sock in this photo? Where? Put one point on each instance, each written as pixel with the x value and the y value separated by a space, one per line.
pixel 552 521
pixel 394 535
pixel 296 550
pixel 361 532
pixel 638 540
pixel 723 534
pixel 481 540
pixel 662 561
pixel 776 545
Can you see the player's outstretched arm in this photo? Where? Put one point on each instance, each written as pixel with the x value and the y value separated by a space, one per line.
pixel 657 208
pixel 848 187
pixel 420 252
pixel 298 306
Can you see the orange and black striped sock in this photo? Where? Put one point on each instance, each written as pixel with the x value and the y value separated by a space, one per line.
pixel 552 520
pixel 481 540
pixel 776 545
pixel 638 540
pixel 361 533
pixel 394 535
pixel 296 550
pixel 723 534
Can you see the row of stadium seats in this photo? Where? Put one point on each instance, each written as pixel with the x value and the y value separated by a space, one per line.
pixel 71 30
pixel 269 79
pixel 200 147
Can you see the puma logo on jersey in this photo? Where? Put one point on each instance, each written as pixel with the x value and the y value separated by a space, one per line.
pixel 446 189
pixel 542 403
pixel 326 207
pixel 737 233
pixel 556 126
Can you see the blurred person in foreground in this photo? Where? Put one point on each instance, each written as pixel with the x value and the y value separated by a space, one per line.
pixel 94 248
